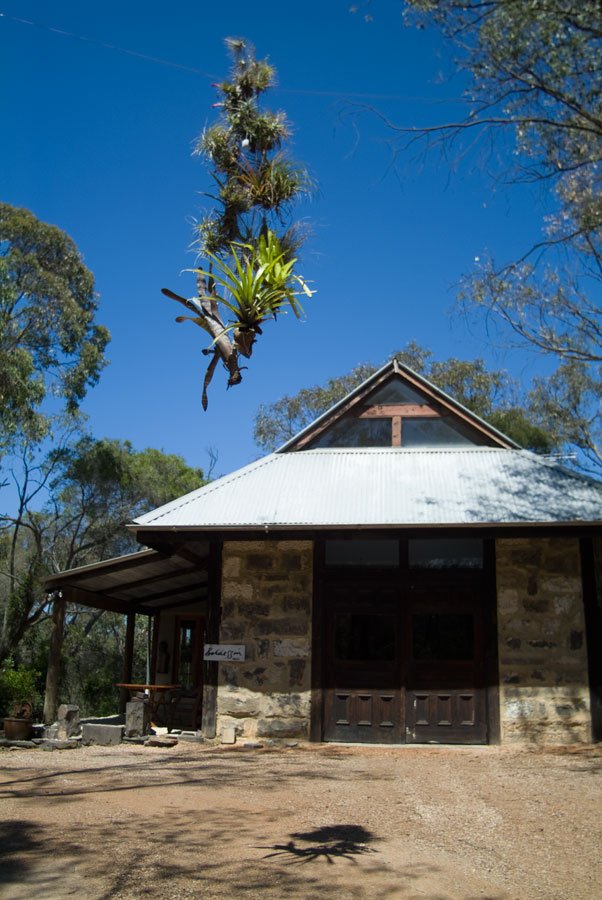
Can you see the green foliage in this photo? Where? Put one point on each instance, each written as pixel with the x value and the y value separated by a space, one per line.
pixel 49 342
pixel 534 70
pixel 256 180
pixel 490 394
pixel 534 108
pixel 18 683
pixel 261 285
pixel 248 247
pixel 94 487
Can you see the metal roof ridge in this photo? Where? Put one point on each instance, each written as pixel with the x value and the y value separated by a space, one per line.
pixel 401 450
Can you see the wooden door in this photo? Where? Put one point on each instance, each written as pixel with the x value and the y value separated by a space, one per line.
pixel 188 652
pixel 362 697
pixel 445 691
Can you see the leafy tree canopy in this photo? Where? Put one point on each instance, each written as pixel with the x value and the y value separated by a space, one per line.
pixel 246 240
pixel 93 488
pixel 49 342
pixel 534 106
pixel 490 394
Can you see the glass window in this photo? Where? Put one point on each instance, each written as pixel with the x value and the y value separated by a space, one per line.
pixel 356 433
pixel 362 553
pixel 187 647
pixel 422 432
pixel 442 637
pixel 444 553
pixel 364 637
pixel 395 392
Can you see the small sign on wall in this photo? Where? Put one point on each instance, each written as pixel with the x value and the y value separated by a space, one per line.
pixel 224 652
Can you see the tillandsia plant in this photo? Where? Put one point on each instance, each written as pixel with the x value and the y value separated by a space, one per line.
pixel 246 244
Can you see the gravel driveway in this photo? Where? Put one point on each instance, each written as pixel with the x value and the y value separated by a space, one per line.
pixel 316 821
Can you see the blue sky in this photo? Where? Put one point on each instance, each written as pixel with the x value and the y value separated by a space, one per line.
pixel 98 142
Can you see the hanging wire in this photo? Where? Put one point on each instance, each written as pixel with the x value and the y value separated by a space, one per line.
pixel 193 71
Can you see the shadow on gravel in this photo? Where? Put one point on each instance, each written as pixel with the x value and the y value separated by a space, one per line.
pixel 211 855
pixel 329 843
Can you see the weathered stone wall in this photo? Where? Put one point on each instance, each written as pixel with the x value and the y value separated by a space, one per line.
pixel 544 692
pixel 266 605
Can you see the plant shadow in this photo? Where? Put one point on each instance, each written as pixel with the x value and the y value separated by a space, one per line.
pixel 329 842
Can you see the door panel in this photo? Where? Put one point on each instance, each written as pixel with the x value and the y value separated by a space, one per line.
pixel 445 690
pixel 364 717
pixel 403 661
pixel 362 696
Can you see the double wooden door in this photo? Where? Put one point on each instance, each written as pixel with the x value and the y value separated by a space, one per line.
pixel 404 663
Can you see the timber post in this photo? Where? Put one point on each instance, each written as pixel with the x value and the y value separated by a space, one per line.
pixel 128 659
pixel 210 669
pixel 54 657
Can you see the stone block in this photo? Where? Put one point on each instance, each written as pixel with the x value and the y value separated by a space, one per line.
pixel 137 719
pixel 296 669
pixel 239 704
pixel 105 735
pixel 283 728
pixel 290 626
pixel 231 566
pixel 228 735
pixel 290 648
pixel 296 603
pixel 233 632
pixel 286 705
pixel 252 609
pixel 259 561
pixel 159 740
pixel 68 721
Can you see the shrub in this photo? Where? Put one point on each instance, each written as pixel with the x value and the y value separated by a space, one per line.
pixel 16 685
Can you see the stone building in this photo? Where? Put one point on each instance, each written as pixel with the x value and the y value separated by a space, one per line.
pixel 398 572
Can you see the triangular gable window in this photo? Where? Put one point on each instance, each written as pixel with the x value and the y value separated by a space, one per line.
pixel 396 414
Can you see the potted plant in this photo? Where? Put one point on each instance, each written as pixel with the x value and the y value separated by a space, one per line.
pixel 18 727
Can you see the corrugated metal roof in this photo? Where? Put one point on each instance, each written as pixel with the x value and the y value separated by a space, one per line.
pixel 387 487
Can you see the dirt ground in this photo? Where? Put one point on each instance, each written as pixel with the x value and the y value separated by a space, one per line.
pixel 316 821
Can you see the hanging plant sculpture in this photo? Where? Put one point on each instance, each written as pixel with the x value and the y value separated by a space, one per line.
pixel 249 273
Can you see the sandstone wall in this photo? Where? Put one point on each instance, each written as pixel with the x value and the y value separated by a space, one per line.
pixel 266 605
pixel 544 692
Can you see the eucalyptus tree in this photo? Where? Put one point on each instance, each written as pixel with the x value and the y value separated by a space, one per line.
pixel 246 241
pixel 72 507
pixel 533 104
pixel 50 343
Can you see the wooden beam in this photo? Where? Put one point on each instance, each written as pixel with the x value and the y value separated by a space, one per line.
pixel 106 568
pixel 152 598
pixel 186 553
pixel 340 411
pixel 54 658
pixel 176 603
pixel 172 573
pixel 102 601
pixel 409 411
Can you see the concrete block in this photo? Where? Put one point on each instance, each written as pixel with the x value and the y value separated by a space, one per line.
pixel 105 735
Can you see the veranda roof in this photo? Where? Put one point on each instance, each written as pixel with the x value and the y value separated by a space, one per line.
pixel 144 582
